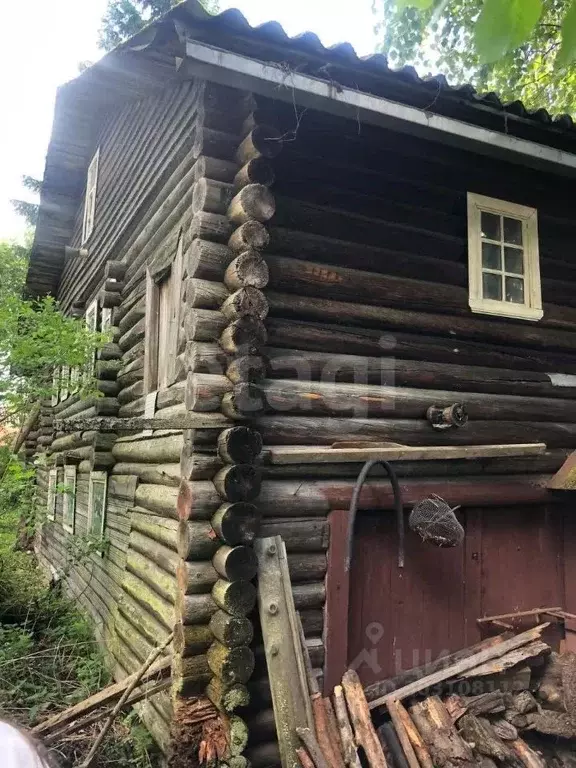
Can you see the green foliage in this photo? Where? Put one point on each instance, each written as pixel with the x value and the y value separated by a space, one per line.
pixel 24 208
pixel 443 37
pixel 36 337
pixel 125 18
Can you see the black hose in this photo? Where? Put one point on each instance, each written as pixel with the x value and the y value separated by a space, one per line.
pixel 398 506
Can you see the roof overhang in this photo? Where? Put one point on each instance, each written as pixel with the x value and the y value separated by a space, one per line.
pixel 277 81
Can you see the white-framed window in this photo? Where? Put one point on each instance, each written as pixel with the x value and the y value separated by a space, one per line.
pixel 97 503
pixel 52 494
pixel 503 258
pixel 90 198
pixel 69 501
pixel 163 302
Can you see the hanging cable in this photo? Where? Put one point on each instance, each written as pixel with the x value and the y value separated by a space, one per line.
pixel 398 506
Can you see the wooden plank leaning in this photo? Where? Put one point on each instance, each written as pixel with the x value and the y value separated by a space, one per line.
pixel 462 666
pixel 288 684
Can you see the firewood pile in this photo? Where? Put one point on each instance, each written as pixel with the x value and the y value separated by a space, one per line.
pixel 507 701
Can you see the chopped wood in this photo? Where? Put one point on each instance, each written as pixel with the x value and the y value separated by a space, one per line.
pixel 361 722
pixel 309 741
pixel 346 735
pixel 320 455
pixel 479 732
pixel 104 697
pixel 550 723
pixel 304 758
pixel 409 737
pixel 455 706
pixel 505 730
pixel 512 659
pixel 333 730
pixel 527 755
pixel 524 702
pixel 497 651
pixel 447 748
pixel 519 615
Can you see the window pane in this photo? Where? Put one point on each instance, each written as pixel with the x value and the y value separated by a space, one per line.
pixel 515 290
pixel 512 231
pixel 491 256
pixel 491 286
pixel 490 225
pixel 514 260
pixel 98 507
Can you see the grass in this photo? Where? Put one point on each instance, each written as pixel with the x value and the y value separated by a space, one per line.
pixel 49 658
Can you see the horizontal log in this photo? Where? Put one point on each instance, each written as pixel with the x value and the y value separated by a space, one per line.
pixel 158 528
pixel 252 234
pixel 211 195
pixel 391 371
pixel 160 499
pixel 298 535
pixel 154 449
pixel 238 482
pixel 196 577
pixel 133 316
pixel 342 283
pixel 306 567
pixel 150 600
pixel 204 294
pixel 203 357
pixel 198 466
pixel 231 665
pixel 191 640
pixel 247 269
pixel 231 631
pixel 156 578
pixel 214 168
pixel 204 391
pixel 235 597
pixel 203 325
pixel 132 336
pixel 189 675
pixel 236 523
pixel 262 141
pixel 244 336
pixel 287 498
pixel 194 609
pixel 207 260
pixel 210 226
pixel 253 202
pixel 246 301
pixel 255 171
pixel 234 563
pixel 164 557
pixel 156 474
pixel 227 697
pixel 197 500
pixel 322 337
pixel 170 418
pixel 196 541
pixel 239 445
pixel 304 430
pixel 365 400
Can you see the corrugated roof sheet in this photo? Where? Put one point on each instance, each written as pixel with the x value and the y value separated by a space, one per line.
pixel 147 63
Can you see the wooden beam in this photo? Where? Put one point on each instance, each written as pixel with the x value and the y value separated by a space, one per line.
pixel 495 652
pixel 137 423
pixel 301 454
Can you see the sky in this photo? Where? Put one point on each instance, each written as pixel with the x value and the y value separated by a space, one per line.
pixel 45 40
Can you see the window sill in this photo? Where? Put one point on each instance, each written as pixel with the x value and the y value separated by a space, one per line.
pixel 505 309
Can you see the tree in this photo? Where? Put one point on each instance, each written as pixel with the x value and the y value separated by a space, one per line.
pixel 26 209
pixel 522 49
pixel 35 338
pixel 124 18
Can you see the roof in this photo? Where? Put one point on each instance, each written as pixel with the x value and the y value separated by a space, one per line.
pixel 148 62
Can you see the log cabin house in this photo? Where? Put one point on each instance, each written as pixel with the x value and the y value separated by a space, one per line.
pixel 294 247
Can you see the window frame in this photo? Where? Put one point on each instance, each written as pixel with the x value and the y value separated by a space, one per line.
pixel 69 498
pixel 163 311
pixel 52 495
pixel 90 197
pixel 97 477
pixel 532 307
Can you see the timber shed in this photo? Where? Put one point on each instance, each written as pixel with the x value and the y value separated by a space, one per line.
pixel 295 248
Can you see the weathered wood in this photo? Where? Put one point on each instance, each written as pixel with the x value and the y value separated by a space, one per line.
pixel 156 474
pixel 245 400
pixel 306 455
pixel 192 640
pixel 197 500
pixel 236 523
pixel 204 294
pixel 160 499
pixel 495 652
pixel 246 369
pixel 529 652
pixel 203 324
pixel 360 718
pixel 479 731
pixel 234 563
pixel 447 748
pixel 528 756
pixel 407 734
pixel 137 423
pixel 231 631
pixel 225 697
pixel 198 466
pixel 210 226
pixel 313 748
pixel 196 540
pixel 252 234
pixel 262 141
pixel 207 260
pixel 247 269
pixel 237 598
pixel 246 301
pixel 283 651
pixel 211 195
pixel 255 171
pixel 196 577
pixel 239 445
pixel 244 336
pixel 238 482
pixel 349 751
pixel 231 665
pixel 253 202
pixel 204 391
pixel 194 609
pixel 203 357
